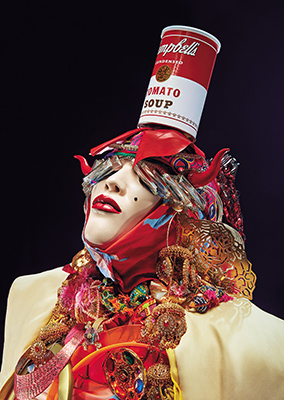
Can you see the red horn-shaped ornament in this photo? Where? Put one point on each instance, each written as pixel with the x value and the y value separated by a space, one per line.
pixel 86 169
pixel 198 179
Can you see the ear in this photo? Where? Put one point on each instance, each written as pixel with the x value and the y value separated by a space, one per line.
pixel 86 205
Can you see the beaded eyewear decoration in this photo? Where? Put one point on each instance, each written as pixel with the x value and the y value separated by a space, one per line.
pixel 175 189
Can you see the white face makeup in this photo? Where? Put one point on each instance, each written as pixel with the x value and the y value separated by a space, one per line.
pixel 118 203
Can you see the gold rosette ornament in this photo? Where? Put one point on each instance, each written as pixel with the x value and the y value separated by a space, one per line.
pixel 166 326
pixel 160 385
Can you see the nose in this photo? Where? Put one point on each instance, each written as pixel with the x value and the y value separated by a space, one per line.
pixel 117 181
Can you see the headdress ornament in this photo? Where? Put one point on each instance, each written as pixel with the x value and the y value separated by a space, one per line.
pixel 162 148
pixel 178 86
pixel 182 165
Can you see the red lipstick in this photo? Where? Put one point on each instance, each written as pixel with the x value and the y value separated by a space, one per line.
pixel 105 203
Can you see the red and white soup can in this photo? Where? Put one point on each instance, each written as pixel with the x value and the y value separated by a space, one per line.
pixel 178 86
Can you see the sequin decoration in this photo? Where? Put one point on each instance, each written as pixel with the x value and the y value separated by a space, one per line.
pixel 125 374
pixel 29 386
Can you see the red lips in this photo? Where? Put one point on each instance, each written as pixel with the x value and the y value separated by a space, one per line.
pixel 105 203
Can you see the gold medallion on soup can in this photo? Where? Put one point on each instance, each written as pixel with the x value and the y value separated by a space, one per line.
pixel 163 73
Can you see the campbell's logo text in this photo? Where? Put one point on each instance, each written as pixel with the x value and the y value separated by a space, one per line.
pixel 181 47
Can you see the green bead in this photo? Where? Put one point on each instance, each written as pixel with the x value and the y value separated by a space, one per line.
pixel 128 357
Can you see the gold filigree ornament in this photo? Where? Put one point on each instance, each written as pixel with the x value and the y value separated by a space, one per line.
pixel 165 327
pixel 220 255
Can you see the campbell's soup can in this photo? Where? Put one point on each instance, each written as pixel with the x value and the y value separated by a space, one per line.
pixel 178 86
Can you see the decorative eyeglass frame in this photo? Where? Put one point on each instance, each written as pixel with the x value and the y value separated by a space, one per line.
pixel 175 189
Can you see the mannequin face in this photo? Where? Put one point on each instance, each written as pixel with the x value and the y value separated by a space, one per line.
pixel 118 203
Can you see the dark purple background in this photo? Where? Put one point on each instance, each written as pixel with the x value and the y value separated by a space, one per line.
pixel 74 77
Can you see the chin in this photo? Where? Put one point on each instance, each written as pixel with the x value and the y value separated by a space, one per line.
pixel 100 241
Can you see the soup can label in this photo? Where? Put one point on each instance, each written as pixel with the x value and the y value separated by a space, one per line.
pixel 178 86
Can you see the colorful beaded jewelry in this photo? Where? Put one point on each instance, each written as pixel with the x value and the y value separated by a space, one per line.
pixel 125 374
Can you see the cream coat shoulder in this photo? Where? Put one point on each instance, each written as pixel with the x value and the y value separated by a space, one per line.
pixel 232 352
pixel 30 303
